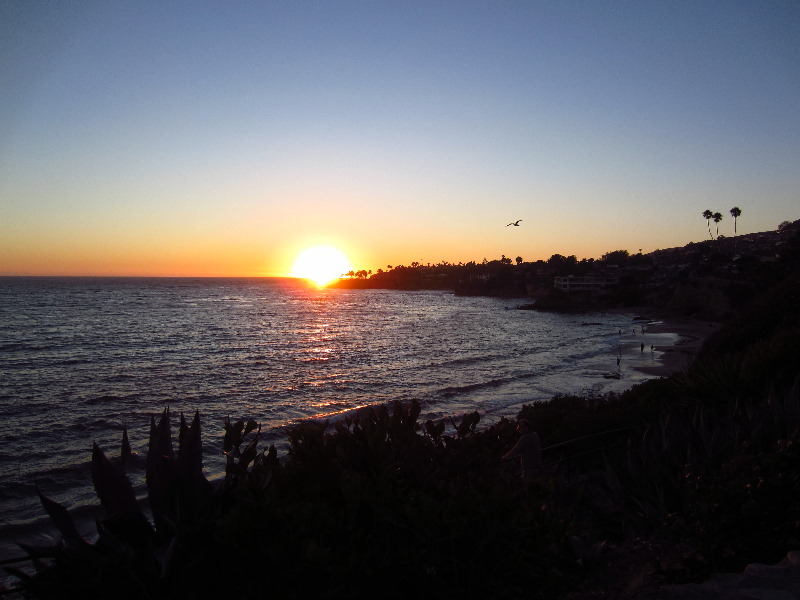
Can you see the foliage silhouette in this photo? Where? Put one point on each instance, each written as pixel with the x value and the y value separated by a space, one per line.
pixel 717 217
pixel 708 215
pixel 736 212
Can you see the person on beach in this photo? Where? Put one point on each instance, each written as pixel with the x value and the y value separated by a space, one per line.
pixel 528 448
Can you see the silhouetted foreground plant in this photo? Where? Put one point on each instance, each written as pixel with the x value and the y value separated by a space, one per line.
pixel 382 506
pixel 134 557
pixel 376 504
pixel 720 478
pixel 379 504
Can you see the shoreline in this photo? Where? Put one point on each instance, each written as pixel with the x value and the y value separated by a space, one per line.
pixel 675 342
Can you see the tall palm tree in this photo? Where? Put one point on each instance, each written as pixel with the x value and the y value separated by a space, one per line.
pixel 736 212
pixel 707 214
pixel 717 218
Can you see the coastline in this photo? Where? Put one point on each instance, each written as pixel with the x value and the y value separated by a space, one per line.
pixel 691 334
pixel 675 341
pixel 670 342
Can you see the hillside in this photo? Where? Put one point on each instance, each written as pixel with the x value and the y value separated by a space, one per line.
pixel 711 279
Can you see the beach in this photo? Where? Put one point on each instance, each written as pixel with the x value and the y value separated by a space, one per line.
pixel 675 341
pixel 652 345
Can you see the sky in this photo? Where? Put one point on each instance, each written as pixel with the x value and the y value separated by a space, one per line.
pixel 223 138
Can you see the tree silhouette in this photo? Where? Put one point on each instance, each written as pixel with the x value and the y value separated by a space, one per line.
pixel 617 257
pixel 736 212
pixel 717 218
pixel 707 215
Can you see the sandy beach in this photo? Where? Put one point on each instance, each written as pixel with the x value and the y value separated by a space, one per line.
pixel 652 345
pixel 658 345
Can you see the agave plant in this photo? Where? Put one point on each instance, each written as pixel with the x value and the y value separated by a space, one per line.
pixel 134 556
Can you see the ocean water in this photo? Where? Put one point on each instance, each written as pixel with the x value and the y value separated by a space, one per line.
pixel 81 358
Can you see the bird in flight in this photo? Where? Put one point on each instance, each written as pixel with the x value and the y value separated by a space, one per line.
pixel 515 223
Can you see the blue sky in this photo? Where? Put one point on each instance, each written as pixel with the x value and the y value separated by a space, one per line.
pixel 223 138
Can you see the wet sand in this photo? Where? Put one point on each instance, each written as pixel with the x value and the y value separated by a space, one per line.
pixel 670 343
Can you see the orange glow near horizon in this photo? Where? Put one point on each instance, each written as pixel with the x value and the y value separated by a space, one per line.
pixel 321 264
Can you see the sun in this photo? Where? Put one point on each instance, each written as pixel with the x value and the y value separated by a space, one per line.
pixel 320 264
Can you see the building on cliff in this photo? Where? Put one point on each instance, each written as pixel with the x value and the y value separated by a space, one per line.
pixel 587 283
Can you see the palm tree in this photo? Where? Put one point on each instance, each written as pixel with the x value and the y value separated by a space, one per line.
pixel 736 212
pixel 717 218
pixel 707 214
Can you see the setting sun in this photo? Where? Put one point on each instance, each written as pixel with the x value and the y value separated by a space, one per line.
pixel 320 264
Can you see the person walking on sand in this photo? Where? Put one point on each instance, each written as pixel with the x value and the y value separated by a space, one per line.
pixel 528 448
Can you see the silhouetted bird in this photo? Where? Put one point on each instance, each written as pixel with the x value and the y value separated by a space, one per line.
pixel 515 223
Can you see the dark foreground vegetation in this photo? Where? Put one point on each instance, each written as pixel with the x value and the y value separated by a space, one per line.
pixel 676 478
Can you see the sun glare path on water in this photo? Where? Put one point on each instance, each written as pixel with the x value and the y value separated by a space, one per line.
pixel 320 264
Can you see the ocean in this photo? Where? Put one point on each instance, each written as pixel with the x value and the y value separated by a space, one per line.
pixel 82 358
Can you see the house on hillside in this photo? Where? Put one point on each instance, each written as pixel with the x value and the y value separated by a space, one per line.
pixel 587 283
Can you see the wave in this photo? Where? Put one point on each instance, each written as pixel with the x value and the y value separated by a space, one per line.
pixel 472 387
pixel 471 360
pixel 29 346
pixel 109 398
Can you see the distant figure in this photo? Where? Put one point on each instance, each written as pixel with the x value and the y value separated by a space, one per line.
pixel 652 347
pixel 528 448
pixel 618 361
pixel 642 346
pixel 515 223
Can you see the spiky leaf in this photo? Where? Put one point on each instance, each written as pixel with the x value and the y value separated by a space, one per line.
pixel 113 488
pixel 125 449
pixel 61 519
